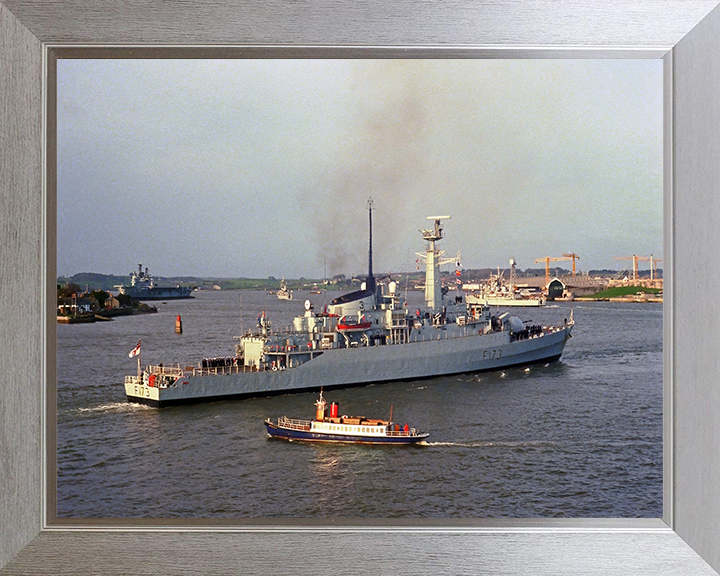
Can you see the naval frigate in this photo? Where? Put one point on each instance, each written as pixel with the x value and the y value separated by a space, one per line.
pixel 362 337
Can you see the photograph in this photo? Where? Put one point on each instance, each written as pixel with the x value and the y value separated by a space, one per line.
pixel 359 288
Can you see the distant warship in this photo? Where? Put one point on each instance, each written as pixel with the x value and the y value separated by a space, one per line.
pixel 284 293
pixel 496 292
pixel 143 287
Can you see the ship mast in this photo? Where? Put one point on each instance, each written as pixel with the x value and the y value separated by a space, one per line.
pixel 433 260
pixel 370 279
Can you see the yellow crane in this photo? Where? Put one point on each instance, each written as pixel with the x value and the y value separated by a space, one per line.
pixel 549 259
pixel 574 257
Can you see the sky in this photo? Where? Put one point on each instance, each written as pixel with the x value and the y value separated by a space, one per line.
pixel 258 168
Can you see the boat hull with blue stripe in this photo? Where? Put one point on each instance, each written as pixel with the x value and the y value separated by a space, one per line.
pixel 348 429
pixel 285 433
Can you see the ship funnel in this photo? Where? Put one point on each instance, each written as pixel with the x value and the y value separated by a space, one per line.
pixel 320 404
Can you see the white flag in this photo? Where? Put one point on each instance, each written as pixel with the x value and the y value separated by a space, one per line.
pixel 135 351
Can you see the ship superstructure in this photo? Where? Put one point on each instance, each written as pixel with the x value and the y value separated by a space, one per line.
pixel 365 336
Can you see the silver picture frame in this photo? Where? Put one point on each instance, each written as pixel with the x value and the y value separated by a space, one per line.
pixel 684 33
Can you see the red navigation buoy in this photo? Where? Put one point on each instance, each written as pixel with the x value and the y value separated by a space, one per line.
pixel 178 325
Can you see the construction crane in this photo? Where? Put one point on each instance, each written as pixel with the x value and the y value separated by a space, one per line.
pixel 634 259
pixel 574 257
pixel 549 259
pixel 652 266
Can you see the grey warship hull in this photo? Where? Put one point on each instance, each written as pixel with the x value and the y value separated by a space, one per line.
pixel 157 293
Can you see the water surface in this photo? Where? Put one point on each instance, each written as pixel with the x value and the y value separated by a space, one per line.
pixel 578 438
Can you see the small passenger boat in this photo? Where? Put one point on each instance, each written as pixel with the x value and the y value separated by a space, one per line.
pixel 350 429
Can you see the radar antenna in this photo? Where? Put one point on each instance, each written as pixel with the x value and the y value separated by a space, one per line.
pixel 437 232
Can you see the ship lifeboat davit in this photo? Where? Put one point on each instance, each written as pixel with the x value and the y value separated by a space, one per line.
pixel 346 324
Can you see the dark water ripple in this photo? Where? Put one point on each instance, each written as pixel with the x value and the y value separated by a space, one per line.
pixel 578 438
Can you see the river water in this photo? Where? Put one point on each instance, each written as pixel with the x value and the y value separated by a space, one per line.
pixel 578 438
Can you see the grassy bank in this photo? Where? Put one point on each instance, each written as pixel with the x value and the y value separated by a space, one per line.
pixel 620 291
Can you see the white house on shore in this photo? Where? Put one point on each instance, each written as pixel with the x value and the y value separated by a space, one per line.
pixel 75 306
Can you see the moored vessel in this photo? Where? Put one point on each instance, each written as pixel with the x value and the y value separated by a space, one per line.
pixel 143 287
pixel 284 293
pixel 362 337
pixel 497 292
pixel 347 429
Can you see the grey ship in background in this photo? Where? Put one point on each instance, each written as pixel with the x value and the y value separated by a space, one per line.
pixel 143 287
pixel 366 336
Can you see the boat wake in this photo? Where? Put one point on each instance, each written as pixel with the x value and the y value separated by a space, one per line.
pixel 116 407
pixel 529 444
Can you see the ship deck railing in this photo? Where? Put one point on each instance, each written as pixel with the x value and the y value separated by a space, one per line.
pixel 174 371
pixel 524 335
pixel 402 433
pixel 293 424
pixel 276 349
pixel 166 375
pixel 416 335
pixel 222 370
pixel 178 371
pixel 306 425
pixel 468 327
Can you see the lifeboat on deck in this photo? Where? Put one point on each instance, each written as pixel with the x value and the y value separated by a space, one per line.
pixel 346 324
